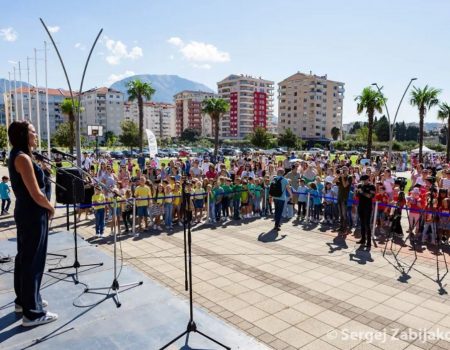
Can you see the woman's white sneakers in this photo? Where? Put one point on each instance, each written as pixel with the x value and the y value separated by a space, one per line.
pixel 47 318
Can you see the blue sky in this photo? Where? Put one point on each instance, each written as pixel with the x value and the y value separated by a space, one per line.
pixel 356 42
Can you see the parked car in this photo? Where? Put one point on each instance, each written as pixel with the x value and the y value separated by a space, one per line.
pixel 230 152
pixel 247 150
pixel 315 150
pixel 172 152
pixel 116 154
pixel 184 153
pixel 162 153
pixel 275 151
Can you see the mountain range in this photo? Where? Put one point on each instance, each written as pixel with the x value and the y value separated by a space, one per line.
pixel 5 83
pixel 166 86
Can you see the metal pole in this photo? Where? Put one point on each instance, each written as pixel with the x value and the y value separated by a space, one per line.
pixel 10 98
pixel 134 216
pixel 374 224
pixel 307 206
pixel 16 118
pixel 46 100
pixel 392 124
pixel 30 117
pixel 21 93
pixel 38 105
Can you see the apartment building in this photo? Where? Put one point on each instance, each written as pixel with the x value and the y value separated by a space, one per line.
pixel 102 106
pixel 189 112
pixel 310 105
pixel 22 98
pixel 160 118
pixel 251 104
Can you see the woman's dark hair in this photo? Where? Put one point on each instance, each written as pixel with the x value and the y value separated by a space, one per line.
pixel 18 136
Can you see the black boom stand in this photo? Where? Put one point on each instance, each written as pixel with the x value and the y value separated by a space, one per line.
pixel 115 286
pixel 191 327
pixel 76 264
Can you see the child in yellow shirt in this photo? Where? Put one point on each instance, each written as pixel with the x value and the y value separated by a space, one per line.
pixel 98 200
pixel 144 192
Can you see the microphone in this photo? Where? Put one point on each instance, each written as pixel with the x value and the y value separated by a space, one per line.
pixel 67 155
pixel 40 157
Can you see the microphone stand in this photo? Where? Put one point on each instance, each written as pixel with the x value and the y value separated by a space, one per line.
pixel 113 289
pixel 76 264
pixel 43 159
pixel 191 327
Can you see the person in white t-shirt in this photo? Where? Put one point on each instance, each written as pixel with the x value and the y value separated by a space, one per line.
pixel 388 183
pixel 330 176
pixel 86 161
pixel 205 165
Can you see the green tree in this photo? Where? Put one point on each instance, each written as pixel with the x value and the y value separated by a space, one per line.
pixel 62 136
pixel 130 134
pixel 412 133
pixel 424 99
pixel 444 114
pixel 335 132
pixel 400 131
pixel 355 127
pixel 370 101
pixel 215 108
pixel 110 139
pixel 138 90
pixel 70 108
pixel 3 137
pixel 288 139
pixel 190 135
pixel 362 134
pixel 260 138
pixel 381 129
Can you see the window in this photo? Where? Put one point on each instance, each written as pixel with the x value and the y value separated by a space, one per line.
pixel 295 93
pixel 304 128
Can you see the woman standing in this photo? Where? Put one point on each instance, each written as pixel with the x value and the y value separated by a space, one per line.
pixel 31 214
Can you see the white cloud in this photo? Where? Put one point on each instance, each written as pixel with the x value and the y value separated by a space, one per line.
pixel 12 62
pixel 116 77
pixel 117 51
pixel 176 41
pixel 201 52
pixel 54 29
pixel 198 53
pixel 171 57
pixel 201 66
pixel 80 46
pixel 8 34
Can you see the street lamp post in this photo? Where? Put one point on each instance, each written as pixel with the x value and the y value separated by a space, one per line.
pixel 392 124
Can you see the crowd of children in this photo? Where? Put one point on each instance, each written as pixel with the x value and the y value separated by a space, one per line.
pixel 239 190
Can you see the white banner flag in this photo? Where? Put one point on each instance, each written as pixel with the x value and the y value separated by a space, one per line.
pixel 152 145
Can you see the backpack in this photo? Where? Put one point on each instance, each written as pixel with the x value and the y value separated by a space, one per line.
pixel 276 189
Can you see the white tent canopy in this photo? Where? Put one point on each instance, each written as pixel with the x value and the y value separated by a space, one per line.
pixel 425 150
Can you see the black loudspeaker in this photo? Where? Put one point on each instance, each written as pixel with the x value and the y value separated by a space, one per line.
pixel 71 179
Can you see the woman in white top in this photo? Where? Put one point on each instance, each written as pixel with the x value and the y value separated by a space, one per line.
pixel 388 183
pixel 445 181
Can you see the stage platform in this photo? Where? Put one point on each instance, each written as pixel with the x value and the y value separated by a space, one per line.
pixel 150 315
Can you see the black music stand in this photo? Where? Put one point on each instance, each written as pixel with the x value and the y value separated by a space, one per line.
pixel 191 326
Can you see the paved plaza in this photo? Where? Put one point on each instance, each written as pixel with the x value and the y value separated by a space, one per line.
pixel 301 289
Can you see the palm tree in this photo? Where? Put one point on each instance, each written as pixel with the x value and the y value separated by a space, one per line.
pixel 335 132
pixel 215 108
pixel 138 90
pixel 424 99
pixel 443 114
pixel 70 109
pixel 371 101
